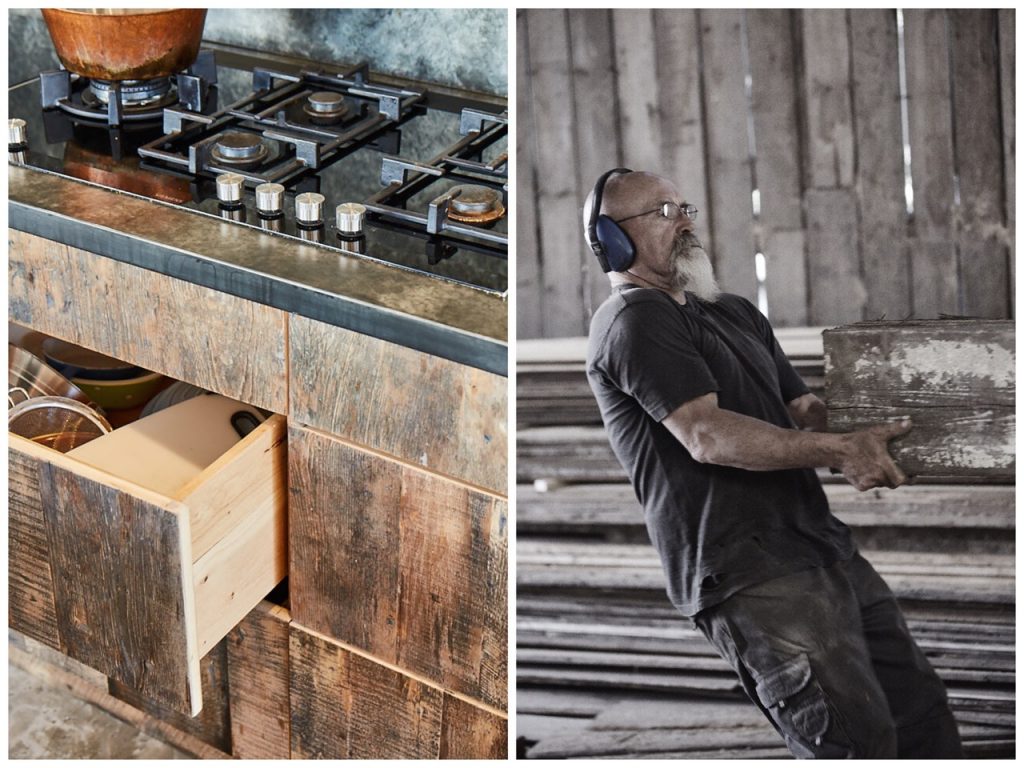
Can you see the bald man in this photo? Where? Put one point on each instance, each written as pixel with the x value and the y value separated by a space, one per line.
pixel 720 438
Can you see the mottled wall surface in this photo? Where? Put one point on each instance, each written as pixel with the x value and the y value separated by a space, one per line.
pixel 465 48
pixel 459 47
pixel 29 50
pixel 786 129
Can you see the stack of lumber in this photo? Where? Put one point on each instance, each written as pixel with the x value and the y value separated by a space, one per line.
pixel 606 668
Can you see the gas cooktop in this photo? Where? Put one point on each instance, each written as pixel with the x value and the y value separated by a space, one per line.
pixel 405 173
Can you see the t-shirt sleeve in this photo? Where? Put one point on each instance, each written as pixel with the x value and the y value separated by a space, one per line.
pixel 791 385
pixel 651 354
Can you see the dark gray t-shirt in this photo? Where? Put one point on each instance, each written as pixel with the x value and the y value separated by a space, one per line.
pixel 718 529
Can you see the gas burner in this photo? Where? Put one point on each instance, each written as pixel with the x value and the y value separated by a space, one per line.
pixel 325 107
pixel 243 150
pixel 131 101
pixel 135 94
pixel 474 204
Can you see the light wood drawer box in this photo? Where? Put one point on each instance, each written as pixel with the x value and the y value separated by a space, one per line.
pixel 144 585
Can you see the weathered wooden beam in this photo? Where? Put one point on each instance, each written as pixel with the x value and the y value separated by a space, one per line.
pixel 954 378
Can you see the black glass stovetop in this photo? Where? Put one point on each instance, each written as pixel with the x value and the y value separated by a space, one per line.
pixel 422 142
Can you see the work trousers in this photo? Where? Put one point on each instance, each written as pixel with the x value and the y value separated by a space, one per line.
pixel 826 654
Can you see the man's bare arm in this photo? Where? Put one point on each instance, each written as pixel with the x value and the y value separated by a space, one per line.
pixel 714 435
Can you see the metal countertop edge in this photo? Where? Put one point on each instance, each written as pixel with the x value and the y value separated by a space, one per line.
pixel 398 328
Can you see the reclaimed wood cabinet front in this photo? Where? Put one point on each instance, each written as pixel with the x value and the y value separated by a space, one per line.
pixel 144 585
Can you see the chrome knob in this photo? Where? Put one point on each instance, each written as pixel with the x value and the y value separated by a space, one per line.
pixel 309 207
pixel 349 218
pixel 270 199
pixel 229 188
pixel 17 131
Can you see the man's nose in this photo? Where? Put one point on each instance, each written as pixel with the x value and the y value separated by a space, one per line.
pixel 685 223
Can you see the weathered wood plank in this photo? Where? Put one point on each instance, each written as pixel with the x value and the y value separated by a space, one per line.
pixel 348 502
pixel 929 107
pixel 880 182
pixel 591 508
pixel 681 126
pixel 955 379
pixel 595 128
pixel 979 149
pixel 29 581
pixel 828 124
pixel 529 318
pixel 258 680
pixel 471 733
pixel 122 576
pixel 161 323
pixel 836 286
pixel 452 418
pixel 650 742
pixel 730 185
pixel 213 725
pixel 771 47
pixel 1008 101
pixel 346 706
pixel 422 582
pixel 637 92
pixel 557 204
pixel 453 597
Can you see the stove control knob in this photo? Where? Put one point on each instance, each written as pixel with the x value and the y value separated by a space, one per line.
pixel 349 217
pixel 229 188
pixel 270 199
pixel 309 207
pixel 17 132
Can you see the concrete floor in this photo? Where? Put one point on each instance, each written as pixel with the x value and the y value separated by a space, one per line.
pixel 48 722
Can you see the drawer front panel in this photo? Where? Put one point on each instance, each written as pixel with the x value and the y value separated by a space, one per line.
pixel 29 581
pixel 258 685
pixel 220 342
pixel 121 570
pixel 471 733
pixel 445 417
pixel 211 726
pixel 346 705
pixel 408 566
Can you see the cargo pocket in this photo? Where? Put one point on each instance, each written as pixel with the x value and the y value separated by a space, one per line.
pixel 796 701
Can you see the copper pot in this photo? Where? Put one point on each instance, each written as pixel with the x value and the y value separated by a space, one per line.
pixel 131 44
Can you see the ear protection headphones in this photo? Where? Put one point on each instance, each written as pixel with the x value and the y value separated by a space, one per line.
pixel 612 246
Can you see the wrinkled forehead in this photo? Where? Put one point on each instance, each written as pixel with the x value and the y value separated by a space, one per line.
pixel 639 191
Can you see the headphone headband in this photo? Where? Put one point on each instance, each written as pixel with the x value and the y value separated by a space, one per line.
pixel 593 236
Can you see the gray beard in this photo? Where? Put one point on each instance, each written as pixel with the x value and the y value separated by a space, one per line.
pixel 692 269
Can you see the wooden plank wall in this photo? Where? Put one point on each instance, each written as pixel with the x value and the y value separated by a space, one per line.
pixel 803 106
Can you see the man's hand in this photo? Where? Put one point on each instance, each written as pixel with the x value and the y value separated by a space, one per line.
pixel 866 460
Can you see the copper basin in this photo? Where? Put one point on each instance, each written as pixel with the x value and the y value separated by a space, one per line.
pixel 130 44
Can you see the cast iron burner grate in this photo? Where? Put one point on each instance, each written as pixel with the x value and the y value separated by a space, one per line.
pixel 305 122
pixel 403 179
pixel 116 104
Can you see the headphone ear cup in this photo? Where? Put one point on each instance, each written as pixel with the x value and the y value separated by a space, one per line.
pixel 619 250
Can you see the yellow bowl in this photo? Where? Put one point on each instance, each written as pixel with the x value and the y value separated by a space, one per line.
pixel 124 393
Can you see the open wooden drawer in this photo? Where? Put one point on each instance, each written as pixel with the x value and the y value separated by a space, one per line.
pixel 144 585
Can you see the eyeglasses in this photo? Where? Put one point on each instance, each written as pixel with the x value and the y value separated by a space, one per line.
pixel 668 210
